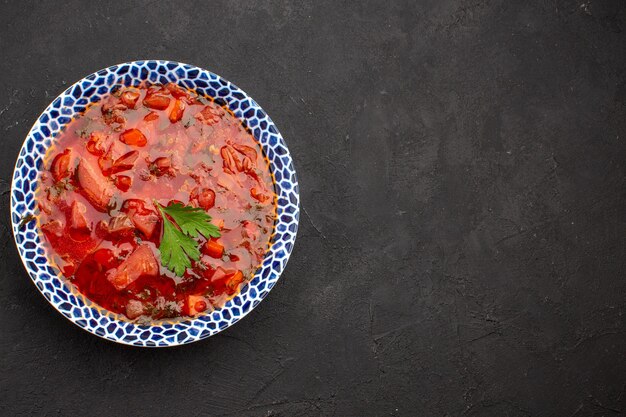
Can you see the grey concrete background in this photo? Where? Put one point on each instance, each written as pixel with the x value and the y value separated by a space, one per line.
pixel 463 236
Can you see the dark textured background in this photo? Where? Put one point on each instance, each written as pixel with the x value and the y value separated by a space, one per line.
pixel 463 235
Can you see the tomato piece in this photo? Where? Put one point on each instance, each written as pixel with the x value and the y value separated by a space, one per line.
pixel 133 137
pixel 213 249
pixel 203 197
pixel 77 225
pixel 156 102
pixel 60 167
pixel 151 116
pixel 93 185
pixel 129 98
pixel 233 258
pixel 177 111
pixel 140 262
pixel 123 182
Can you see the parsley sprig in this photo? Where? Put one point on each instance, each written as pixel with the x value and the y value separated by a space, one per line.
pixel 178 245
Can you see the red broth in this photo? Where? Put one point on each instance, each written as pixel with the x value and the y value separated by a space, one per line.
pixel 99 185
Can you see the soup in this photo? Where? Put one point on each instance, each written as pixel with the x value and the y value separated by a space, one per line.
pixel 156 203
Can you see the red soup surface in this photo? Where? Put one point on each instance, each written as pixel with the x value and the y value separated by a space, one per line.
pixel 130 189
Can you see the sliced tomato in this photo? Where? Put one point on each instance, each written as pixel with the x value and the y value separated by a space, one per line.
pixel 126 161
pixel 133 137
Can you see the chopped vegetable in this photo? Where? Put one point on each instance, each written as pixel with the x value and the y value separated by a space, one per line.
pixel 133 137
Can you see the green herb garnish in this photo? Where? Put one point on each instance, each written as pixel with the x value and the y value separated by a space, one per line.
pixel 178 247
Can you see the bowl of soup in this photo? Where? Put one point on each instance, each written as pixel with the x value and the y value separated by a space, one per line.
pixel 154 203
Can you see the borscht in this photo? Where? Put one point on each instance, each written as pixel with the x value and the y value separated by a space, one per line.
pixel 156 203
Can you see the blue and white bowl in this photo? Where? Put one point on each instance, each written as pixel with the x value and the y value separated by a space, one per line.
pixel 62 294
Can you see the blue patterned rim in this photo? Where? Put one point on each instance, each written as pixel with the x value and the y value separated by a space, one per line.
pixel 61 294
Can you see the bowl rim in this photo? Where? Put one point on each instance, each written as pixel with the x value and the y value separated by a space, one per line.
pixel 235 100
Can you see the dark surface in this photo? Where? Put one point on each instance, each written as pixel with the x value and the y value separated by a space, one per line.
pixel 463 235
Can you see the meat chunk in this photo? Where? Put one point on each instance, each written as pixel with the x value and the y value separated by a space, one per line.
pixel 140 263
pixel 144 219
pixel 95 186
pixel 119 227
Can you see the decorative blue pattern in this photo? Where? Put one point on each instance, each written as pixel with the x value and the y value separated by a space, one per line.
pixel 62 295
